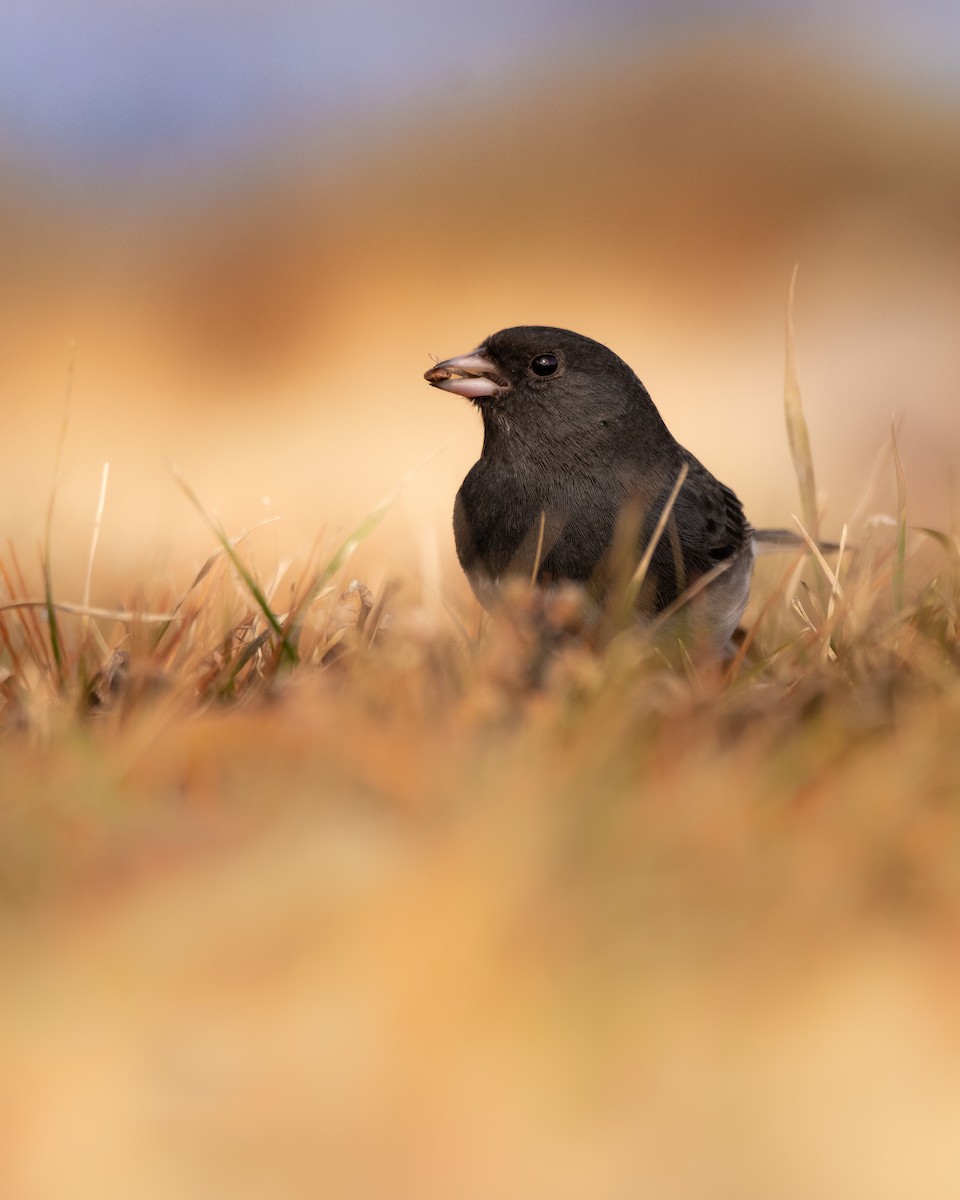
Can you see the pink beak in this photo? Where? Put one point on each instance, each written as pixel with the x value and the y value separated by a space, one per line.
pixel 472 375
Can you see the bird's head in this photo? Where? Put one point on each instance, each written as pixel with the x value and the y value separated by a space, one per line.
pixel 545 380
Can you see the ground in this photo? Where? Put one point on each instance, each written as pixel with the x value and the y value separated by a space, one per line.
pixel 403 902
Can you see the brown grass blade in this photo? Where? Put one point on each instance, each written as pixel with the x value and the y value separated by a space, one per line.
pixel 86 611
pixel 899 568
pixel 56 645
pixel 798 435
pixel 640 574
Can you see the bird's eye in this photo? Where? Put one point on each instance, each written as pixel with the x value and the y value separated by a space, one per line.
pixel 545 364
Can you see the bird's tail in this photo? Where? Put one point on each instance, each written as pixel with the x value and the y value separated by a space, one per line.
pixel 782 541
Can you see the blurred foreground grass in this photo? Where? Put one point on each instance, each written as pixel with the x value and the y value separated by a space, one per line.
pixel 422 910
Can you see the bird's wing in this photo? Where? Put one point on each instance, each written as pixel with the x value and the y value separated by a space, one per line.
pixel 710 519
pixel 706 528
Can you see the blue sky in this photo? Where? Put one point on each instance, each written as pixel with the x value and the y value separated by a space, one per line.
pixel 107 84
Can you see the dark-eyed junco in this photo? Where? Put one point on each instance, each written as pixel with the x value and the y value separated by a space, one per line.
pixel 574 453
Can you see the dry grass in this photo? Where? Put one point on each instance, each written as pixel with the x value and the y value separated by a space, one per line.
pixel 308 890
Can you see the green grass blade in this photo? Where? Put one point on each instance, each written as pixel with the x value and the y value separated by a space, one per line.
pixel 288 652
pixel 204 572
pixel 53 626
pixel 228 687
pixel 347 547
pixel 340 556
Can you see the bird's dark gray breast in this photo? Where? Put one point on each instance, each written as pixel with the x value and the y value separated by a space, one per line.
pixel 508 522
pixel 588 528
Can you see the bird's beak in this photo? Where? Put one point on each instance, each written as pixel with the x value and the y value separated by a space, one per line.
pixel 473 375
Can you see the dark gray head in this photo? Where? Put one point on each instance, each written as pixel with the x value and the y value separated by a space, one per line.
pixel 541 386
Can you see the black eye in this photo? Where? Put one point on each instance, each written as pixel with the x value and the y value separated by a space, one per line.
pixel 545 364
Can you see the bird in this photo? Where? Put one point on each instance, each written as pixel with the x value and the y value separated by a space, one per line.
pixel 576 470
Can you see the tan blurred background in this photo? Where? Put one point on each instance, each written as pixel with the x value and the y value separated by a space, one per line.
pixel 257 223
